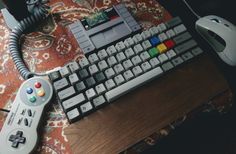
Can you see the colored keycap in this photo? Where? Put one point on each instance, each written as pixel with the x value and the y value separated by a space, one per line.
pixel 29 90
pixel 154 41
pixel 153 52
pixel 162 48
pixel 37 84
pixel 41 93
pixel 32 99
pixel 169 44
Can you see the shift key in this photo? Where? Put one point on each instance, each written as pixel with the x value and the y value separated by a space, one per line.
pixel 74 101
pixel 66 93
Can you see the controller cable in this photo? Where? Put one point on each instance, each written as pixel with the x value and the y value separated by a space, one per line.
pixel 39 13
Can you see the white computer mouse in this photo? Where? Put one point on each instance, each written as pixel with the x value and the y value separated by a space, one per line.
pixel 221 35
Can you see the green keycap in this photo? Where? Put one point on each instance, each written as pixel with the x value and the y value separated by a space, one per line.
pixel 153 52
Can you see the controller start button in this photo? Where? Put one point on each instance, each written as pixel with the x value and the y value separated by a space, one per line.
pixel 41 93
pixel 37 85
pixel 32 99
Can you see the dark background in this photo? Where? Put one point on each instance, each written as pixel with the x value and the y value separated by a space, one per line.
pixel 208 133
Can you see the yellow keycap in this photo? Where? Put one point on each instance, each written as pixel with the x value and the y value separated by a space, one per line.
pixel 162 48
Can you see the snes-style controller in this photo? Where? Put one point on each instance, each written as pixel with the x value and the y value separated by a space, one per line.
pixel 19 133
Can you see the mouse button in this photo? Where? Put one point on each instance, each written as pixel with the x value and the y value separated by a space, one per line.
pixel 215 20
pixel 217 38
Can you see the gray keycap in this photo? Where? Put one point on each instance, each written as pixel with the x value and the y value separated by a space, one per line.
pixel 118 68
pixel 161 27
pixel 128 75
pixel 137 38
pixel 80 86
pixel 100 88
pixel 181 38
pixel 186 56
pixel 177 61
pixel 127 64
pixel 66 93
pixel 109 73
pixel 111 50
pixel 64 71
pixel 119 79
pixel 87 107
pixel 185 46
pixel 74 66
pixel 73 114
pixel 163 58
pixel 102 54
pixel 129 42
pixel 179 29
pixel 129 52
pixel 60 84
pixel 93 58
pixel 90 93
pixel 154 62
pixel 73 78
pixel 173 22
pixel 110 84
pixel 146 66
pixel 162 37
pixel 93 69
pixel 111 61
pixel 120 46
pixel 97 102
pixel 74 101
pixel 167 66
pixel 137 70
pixel 138 48
pixel 171 54
pixel 146 44
pixel 197 51
pixel 170 33
pixel 84 62
pixel 136 60
pixel 144 56
pixel 102 65
pixel 146 34
pixel 120 57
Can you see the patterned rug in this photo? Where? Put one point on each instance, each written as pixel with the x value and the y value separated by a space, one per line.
pixel 52 45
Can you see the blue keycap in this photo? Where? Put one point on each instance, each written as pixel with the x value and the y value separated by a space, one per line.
pixel 155 41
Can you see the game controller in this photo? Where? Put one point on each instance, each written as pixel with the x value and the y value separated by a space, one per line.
pixel 19 133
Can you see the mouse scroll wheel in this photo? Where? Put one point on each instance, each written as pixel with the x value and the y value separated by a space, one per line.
pixel 215 20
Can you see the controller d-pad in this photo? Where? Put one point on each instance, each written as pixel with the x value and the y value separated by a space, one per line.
pixel 17 139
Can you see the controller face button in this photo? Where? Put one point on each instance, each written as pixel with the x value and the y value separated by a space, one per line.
pixel 41 93
pixel 37 85
pixel 29 90
pixel 32 99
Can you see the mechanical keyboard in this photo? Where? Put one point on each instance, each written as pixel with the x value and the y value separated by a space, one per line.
pixel 103 76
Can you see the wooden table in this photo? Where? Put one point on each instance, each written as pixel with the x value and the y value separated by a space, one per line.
pixel 148 109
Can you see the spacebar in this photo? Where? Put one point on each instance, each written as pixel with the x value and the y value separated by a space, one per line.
pixel 126 87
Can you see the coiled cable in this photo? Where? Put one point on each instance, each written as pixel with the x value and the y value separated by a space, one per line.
pixel 40 12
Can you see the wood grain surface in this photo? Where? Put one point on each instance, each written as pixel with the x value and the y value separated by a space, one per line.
pixel 147 109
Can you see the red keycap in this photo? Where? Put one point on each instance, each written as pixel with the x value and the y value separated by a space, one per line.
pixel 169 44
